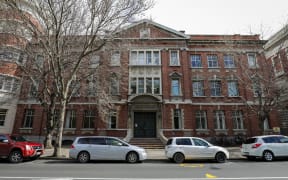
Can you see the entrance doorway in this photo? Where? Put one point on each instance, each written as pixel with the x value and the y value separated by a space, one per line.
pixel 144 124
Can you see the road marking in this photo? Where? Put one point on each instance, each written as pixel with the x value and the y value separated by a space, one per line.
pixel 192 165
pixel 210 176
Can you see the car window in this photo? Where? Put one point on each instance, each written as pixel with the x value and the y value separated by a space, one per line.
pixel 183 141
pixel 83 141
pixel 169 142
pixel 2 138
pixel 273 139
pixel 199 142
pixel 114 142
pixel 250 141
pixel 18 138
pixel 98 141
pixel 283 139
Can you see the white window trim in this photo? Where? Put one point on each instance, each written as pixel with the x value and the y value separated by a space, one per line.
pixel 137 61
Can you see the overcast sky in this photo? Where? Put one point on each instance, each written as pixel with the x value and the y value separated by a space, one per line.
pixel 221 16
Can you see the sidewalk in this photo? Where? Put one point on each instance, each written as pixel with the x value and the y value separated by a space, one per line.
pixel 153 154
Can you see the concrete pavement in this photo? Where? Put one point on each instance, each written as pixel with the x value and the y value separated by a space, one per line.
pixel 153 154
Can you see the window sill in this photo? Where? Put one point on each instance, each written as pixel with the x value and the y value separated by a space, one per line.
pixel 199 96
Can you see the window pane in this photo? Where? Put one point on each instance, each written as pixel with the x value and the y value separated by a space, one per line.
pixel 201 122
pixel 198 89
pixel 156 57
pixel 28 118
pixel 251 60
pixel 219 120
pixel 148 85
pixel 174 58
pixel 133 85
pixel 233 89
pixel 141 85
pixel 229 61
pixel 177 119
pixel 89 117
pixel 175 87
pixel 196 61
pixel 215 88
pixel 149 57
pixel 156 85
pixel 212 61
pixel 3 113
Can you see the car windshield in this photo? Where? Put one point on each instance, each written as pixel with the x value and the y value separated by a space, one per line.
pixel 18 138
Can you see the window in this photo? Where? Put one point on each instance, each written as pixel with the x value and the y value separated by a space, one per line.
pixel 114 86
pixel 144 57
pixel 199 142
pixel 149 85
pixel 237 118
pixel 252 63
pixel 3 113
pixel 175 87
pixel 184 141
pixel 201 120
pixel 12 55
pixel 33 91
pixel 75 88
pixel 233 89
pixel 28 118
pixel 94 61
pixel 212 61
pixel 219 120
pixel 115 58
pixel 177 118
pixel 39 62
pixel 196 61
pixel 142 85
pixel 91 87
pixel 229 61
pixel 112 124
pixel 174 58
pixel 88 121
pixel 215 88
pixel 257 89
pixel 70 119
pixel 9 84
pixel 277 65
pixel 198 88
pixel 156 84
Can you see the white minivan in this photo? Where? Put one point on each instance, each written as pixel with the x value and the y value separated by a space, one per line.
pixel 266 147
pixel 88 148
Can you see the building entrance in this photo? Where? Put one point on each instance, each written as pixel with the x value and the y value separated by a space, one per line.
pixel 144 124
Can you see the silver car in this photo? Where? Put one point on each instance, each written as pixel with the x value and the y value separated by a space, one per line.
pixel 266 147
pixel 179 149
pixel 88 148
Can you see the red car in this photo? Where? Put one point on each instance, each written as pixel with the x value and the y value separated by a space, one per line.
pixel 16 148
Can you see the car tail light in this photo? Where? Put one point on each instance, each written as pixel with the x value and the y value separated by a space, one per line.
pixel 72 146
pixel 240 146
pixel 256 145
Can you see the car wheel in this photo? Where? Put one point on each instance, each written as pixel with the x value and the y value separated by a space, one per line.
pixel 268 156
pixel 220 157
pixel 15 156
pixel 83 157
pixel 178 157
pixel 132 157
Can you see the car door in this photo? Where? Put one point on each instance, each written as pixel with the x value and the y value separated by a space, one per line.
pixel 98 148
pixel 284 145
pixel 273 143
pixel 202 149
pixel 185 145
pixel 116 150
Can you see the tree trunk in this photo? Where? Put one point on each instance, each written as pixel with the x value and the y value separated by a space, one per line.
pixel 58 142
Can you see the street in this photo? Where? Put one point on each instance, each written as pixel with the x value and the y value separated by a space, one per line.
pixel 158 169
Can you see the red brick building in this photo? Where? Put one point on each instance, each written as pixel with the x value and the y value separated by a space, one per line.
pixel 174 85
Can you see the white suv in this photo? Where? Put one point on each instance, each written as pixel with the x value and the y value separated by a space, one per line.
pixel 266 147
pixel 179 149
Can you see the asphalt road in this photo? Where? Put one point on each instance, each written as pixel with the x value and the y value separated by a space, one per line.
pixel 107 170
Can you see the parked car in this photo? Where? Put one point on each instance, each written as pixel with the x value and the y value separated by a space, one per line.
pixel 105 148
pixel 16 148
pixel 179 149
pixel 267 147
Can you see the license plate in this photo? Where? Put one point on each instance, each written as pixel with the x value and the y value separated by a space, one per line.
pixel 38 153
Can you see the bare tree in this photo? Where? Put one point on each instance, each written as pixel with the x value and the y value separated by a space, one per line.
pixel 68 33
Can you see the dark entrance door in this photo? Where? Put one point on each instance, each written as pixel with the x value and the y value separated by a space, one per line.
pixel 144 124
